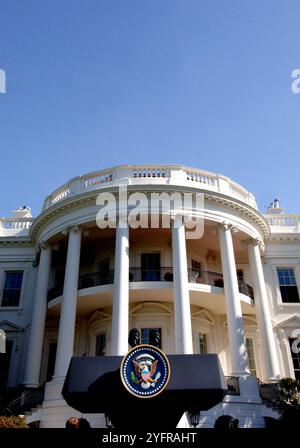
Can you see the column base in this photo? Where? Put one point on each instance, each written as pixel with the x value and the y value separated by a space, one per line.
pixel 53 389
pixel 31 385
pixel 249 389
pixel 272 380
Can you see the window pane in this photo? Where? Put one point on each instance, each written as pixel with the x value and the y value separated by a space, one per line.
pixel 251 357
pixel 145 335
pixel 295 358
pixel 289 294
pixel 286 276
pixel 100 344
pixel 240 274
pixel 12 288
pixel 150 266
pixel 196 265
pixel 288 286
pixel 202 343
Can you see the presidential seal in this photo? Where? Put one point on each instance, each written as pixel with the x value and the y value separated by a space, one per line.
pixel 145 371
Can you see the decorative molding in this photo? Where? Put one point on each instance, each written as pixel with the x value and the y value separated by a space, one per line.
pixel 99 316
pixel 290 322
pixel 70 203
pixel 282 238
pixel 203 315
pixel 254 242
pixel 10 327
pixel 16 242
pixel 160 307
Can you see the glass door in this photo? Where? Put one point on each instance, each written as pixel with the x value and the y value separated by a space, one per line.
pixel 150 267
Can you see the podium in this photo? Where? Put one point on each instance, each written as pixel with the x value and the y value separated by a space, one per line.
pixel 93 385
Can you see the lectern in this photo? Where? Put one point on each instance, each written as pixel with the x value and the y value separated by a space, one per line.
pixel 94 385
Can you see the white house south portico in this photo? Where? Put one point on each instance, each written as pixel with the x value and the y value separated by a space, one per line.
pixel 211 294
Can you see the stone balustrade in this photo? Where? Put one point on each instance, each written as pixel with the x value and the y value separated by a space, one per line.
pixel 15 226
pixel 150 174
pixel 283 222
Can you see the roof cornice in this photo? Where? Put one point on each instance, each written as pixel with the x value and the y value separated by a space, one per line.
pixel 73 202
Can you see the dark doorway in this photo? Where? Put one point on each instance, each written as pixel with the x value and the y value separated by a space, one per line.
pixel 103 267
pixel 5 359
pixel 150 267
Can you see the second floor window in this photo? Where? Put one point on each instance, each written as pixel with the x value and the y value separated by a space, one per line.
pixel 196 266
pixel 150 267
pixel 287 284
pixel 240 275
pixel 12 288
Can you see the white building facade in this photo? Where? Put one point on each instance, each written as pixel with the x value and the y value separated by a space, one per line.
pixel 70 288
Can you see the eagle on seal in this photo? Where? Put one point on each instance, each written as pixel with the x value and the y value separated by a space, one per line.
pixel 145 368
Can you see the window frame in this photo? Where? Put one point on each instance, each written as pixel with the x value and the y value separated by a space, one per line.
pixel 102 325
pixel 295 268
pixel 97 335
pixel 252 370
pixel 294 370
pixel 2 284
pixel 151 328
pixel 204 336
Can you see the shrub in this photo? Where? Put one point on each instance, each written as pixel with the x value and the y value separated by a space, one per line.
pixel 12 422
pixel 291 390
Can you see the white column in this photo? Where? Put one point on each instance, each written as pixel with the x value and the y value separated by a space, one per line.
pixel 36 338
pixel 266 335
pixel 120 311
pixel 182 310
pixel 238 352
pixel 65 343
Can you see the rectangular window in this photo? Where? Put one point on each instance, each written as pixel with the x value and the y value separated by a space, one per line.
pixel 295 357
pixel 196 265
pixel 288 286
pixel 251 357
pixel 5 359
pixel 12 288
pixel 145 335
pixel 240 275
pixel 100 344
pixel 103 267
pixel 202 343
pixel 195 276
pixel 150 267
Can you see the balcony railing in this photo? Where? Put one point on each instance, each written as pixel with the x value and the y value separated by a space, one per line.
pixel 25 401
pixel 95 279
pixel 145 174
pixel 138 274
pixel 216 279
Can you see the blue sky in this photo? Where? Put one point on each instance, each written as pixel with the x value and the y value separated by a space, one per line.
pixel 97 83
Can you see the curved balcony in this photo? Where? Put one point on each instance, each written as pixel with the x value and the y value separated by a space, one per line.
pixel 163 274
pixel 145 175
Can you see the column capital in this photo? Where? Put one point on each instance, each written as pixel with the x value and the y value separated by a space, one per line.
pixel 46 245
pixel 174 215
pixel 43 245
pixel 79 228
pixel 254 242
pixel 226 226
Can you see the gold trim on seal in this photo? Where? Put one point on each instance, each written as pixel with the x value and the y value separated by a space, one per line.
pixel 164 356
